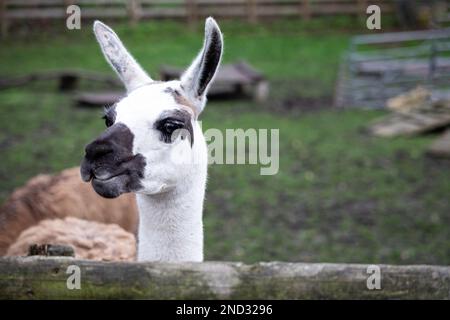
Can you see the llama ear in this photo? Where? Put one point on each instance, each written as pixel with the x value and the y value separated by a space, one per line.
pixel 129 71
pixel 199 75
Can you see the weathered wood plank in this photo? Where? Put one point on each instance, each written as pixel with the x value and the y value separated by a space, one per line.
pixel 46 278
pixel 21 80
pixel 189 9
pixel 440 148
pixel 409 124
pixel 98 98
pixel 393 37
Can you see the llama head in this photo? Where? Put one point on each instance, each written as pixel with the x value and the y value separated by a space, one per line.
pixel 154 125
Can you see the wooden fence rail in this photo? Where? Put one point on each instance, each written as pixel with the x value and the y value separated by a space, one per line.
pixel 47 277
pixel 16 11
pixel 381 66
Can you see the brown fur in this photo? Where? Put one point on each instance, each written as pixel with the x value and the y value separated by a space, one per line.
pixel 185 103
pixel 90 240
pixel 60 196
pixel 182 101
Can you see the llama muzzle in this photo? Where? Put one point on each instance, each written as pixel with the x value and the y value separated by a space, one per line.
pixel 110 164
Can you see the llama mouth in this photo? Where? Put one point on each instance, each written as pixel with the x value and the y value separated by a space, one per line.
pixel 99 174
pixel 111 187
pixel 113 180
pixel 106 177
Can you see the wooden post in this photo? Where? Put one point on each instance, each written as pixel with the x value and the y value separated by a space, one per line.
pixel 191 12
pixel 362 7
pixel 3 19
pixel 251 11
pixel 134 11
pixel 305 9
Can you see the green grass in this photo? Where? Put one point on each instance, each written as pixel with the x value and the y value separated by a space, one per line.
pixel 340 195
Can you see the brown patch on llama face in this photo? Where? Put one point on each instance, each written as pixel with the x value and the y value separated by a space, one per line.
pixel 182 100
pixel 110 164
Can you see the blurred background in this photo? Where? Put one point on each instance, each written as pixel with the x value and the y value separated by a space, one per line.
pixel 360 179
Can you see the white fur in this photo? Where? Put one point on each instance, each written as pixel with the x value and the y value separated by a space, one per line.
pixel 171 226
pixel 171 199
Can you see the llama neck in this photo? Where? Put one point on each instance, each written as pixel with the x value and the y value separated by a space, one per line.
pixel 170 224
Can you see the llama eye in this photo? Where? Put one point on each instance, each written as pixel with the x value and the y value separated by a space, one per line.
pixel 108 121
pixel 170 126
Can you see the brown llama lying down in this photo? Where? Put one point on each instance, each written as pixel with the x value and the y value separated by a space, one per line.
pixel 59 196
pixel 90 240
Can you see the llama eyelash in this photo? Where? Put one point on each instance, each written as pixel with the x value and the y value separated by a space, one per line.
pixel 108 108
pixel 109 115
pixel 178 119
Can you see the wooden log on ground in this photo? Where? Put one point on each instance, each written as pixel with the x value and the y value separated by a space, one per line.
pixel 415 112
pixel 47 278
pixel 95 99
pixel 231 80
pixel 440 148
pixel 51 250
pixel 410 124
pixel 68 78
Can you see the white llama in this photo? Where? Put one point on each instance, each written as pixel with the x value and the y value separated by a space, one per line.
pixel 143 151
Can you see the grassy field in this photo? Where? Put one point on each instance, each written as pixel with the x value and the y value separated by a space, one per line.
pixel 340 195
